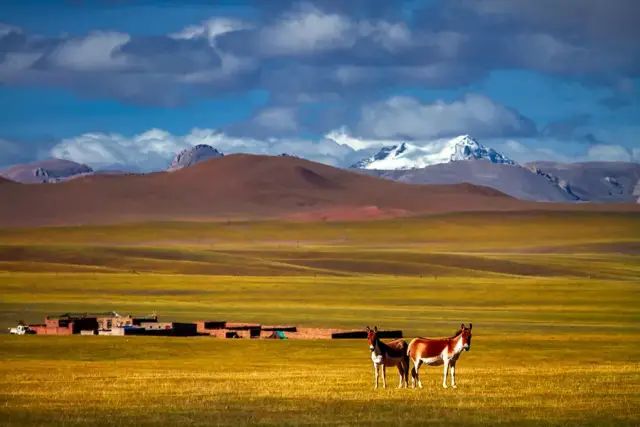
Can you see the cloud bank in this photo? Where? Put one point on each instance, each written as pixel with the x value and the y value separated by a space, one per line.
pixel 406 117
pixel 154 149
pixel 327 47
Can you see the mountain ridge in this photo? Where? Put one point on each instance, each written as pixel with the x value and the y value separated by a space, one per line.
pixel 411 156
pixel 238 186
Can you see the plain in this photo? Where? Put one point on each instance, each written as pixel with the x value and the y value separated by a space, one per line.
pixel 553 297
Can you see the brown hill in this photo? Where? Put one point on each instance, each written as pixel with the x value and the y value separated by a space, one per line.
pixel 5 180
pixel 238 187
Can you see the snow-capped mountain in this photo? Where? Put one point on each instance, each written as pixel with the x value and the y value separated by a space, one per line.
pixel 410 156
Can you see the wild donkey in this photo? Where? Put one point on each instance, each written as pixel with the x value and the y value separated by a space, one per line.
pixel 439 351
pixel 392 353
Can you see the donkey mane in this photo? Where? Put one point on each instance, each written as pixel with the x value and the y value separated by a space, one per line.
pixel 458 332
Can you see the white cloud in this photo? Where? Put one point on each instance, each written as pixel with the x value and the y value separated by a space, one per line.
pixel 342 137
pixel 211 29
pixel 281 119
pixel 307 30
pixel 96 51
pixel 230 65
pixel 565 151
pixel 310 30
pixel 516 146
pixel 147 151
pixel 16 62
pixel 529 150
pixel 406 117
pixel 390 35
pixel 610 153
pixel 154 149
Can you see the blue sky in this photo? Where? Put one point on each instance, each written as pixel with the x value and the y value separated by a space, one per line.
pixel 126 84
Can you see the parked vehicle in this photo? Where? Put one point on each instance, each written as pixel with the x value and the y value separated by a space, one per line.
pixel 21 330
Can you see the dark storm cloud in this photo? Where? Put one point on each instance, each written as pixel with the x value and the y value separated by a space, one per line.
pixel 592 39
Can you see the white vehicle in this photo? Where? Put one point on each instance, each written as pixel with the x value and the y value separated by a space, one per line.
pixel 20 330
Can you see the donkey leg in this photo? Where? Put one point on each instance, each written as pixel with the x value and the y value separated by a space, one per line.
pixel 403 371
pixel 444 379
pixel 401 374
pixel 375 376
pixel 384 376
pixel 416 368
pixel 413 374
pixel 407 366
pixel 453 375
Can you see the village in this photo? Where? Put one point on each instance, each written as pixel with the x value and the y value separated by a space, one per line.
pixel 113 324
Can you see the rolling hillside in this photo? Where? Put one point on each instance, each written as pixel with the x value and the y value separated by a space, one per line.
pixel 239 187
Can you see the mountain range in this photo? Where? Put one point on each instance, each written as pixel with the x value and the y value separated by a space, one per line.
pixel 410 156
pixel 237 186
pixel 442 162
pixel 463 159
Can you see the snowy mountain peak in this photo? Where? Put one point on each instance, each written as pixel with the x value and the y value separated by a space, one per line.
pixel 410 156
pixel 467 148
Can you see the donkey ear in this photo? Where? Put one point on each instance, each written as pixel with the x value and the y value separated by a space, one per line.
pixel 367 328
pixel 375 329
pixel 462 326
pixel 470 326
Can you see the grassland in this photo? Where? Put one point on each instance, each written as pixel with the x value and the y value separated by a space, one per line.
pixel 554 298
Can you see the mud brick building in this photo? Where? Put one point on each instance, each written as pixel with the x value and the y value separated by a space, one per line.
pixel 114 320
pixel 67 324
pixel 112 323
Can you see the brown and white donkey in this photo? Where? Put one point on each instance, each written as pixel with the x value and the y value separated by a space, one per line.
pixel 439 351
pixel 392 353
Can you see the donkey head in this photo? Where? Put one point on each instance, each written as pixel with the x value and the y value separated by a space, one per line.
pixel 372 337
pixel 466 336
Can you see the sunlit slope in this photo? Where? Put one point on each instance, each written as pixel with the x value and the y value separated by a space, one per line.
pixel 528 244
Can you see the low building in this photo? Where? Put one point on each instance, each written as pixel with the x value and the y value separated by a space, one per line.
pixel 67 324
pixel 175 329
pixel 112 323
pixel 88 323
pixel 221 329
pixel 244 330
pixel 114 320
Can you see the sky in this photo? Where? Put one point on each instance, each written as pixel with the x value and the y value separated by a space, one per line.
pixel 128 84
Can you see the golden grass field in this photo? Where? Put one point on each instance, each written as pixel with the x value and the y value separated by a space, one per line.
pixel 554 299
